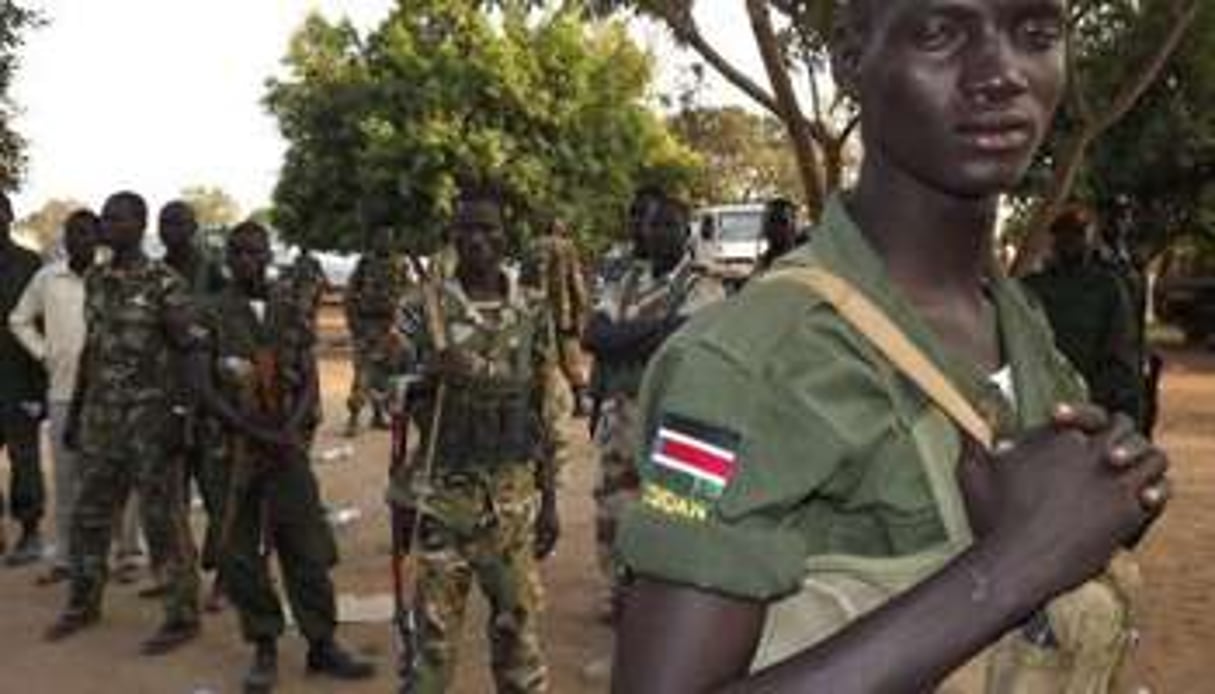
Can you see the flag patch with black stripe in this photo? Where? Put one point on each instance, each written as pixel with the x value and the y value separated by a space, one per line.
pixel 705 455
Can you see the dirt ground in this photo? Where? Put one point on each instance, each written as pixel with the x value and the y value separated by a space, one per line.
pixel 1178 652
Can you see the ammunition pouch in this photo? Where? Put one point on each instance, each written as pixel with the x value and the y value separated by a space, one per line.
pixel 487 423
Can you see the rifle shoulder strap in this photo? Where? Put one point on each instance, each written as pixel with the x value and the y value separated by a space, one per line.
pixel 870 321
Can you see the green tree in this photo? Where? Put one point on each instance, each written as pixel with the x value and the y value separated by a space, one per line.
pixel 44 226
pixel 746 156
pixel 213 206
pixel 550 109
pixel 15 20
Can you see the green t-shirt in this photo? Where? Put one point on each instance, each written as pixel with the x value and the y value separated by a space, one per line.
pixel 774 432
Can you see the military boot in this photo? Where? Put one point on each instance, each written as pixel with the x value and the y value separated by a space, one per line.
pixel 172 634
pixel 327 658
pixel 263 672
pixel 71 621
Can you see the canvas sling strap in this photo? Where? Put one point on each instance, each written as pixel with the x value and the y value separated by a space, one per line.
pixel 869 320
pixel 1092 622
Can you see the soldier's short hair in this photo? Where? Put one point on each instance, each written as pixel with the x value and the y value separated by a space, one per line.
pixel 177 210
pixel 82 219
pixel 249 227
pixel 132 200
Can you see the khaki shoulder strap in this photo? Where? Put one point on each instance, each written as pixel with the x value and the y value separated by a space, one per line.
pixel 859 312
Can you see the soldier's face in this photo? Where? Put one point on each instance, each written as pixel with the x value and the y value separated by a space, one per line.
pixel 177 228
pixel 957 94
pixel 248 257
pixel 478 236
pixel 665 233
pixel 122 225
pixel 80 242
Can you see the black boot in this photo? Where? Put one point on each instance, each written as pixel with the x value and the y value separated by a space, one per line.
pixel 379 420
pixel 71 621
pixel 326 657
pixel 263 672
pixel 172 634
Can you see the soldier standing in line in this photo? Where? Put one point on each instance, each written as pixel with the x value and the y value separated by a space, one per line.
pixel 49 323
pixel 779 231
pixel 137 313
pixel 559 273
pixel 373 299
pixel 256 376
pixel 482 478
pixel 1091 316
pixel 661 288
pixel 22 401
pixel 178 228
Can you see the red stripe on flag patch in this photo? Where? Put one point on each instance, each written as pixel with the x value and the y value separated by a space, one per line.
pixel 688 454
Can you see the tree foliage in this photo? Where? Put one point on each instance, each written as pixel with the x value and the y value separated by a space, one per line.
pixel 15 21
pixel 213 206
pixel 548 108
pixel 44 226
pixel 746 156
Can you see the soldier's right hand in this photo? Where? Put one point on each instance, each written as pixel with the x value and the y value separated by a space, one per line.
pixel 1055 498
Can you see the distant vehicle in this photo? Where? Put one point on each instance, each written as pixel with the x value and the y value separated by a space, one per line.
pixel 1184 293
pixel 729 237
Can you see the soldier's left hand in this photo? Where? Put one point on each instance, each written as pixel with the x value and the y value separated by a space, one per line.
pixel 548 529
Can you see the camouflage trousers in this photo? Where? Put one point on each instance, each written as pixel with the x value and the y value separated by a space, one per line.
pixel 277 513
pixel 618 438
pixel 126 448
pixel 487 534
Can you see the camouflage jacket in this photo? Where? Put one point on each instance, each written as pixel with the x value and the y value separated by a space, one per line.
pixel 375 291
pixel 500 408
pixel 136 317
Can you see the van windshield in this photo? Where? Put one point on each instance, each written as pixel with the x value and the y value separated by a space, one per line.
pixel 739 226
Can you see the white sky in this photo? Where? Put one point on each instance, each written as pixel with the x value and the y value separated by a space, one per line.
pixel 158 95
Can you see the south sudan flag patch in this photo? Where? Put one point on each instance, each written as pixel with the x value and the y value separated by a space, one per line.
pixel 697 458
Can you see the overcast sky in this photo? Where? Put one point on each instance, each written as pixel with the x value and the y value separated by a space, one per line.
pixel 157 95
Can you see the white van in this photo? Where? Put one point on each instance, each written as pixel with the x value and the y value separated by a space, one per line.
pixel 729 237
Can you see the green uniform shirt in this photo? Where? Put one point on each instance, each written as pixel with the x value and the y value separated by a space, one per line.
pixel 774 432
pixel 1095 327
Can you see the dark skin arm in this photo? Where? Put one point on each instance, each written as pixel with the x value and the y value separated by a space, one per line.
pixel 677 638
pixel 250 424
pixel 631 339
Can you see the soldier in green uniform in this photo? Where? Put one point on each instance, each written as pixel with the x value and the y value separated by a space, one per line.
pixel 482 477
pixel 779 231
pixel 660 289
pixel 22 401
pixel 819 512
pixel 1091 316
pixel 178 229
pixel 256 377
pixel 373 298
pixel 137 313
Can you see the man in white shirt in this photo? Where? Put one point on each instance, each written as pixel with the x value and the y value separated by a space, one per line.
pixel 48 321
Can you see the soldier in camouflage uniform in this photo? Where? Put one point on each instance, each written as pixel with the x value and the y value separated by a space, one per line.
pixel 178 228
pixel 137 312
pixel 373 298
pixel 660 289
pixel 258 384
pixel 483 473
pixel 559 275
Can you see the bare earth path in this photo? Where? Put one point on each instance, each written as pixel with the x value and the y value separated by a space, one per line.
pixel 1178 653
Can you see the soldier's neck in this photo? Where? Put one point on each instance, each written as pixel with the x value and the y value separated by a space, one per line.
pixel 483 285
pixel 179 258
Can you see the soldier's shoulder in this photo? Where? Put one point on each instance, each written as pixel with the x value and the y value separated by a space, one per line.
pixel 762 323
